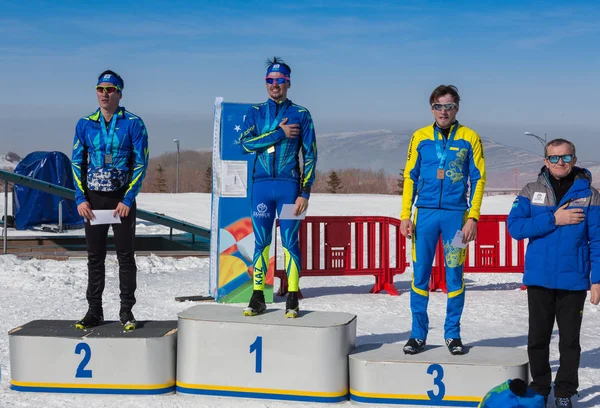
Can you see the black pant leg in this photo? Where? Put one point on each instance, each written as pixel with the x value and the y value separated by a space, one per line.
pixel 569 314
pixel 96 238
pixel 542 311
pixel 124 236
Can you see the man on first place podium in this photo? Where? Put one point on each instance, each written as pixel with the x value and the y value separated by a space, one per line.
pixel 276 131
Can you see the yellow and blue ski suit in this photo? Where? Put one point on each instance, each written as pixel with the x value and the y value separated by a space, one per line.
pixel 443 205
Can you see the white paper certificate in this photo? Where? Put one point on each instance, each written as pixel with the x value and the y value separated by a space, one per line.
pixel 287 213
pixel 105 217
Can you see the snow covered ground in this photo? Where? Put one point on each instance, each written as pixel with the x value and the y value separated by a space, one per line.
pixel 495 312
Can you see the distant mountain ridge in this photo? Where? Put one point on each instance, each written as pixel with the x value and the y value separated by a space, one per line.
pixel 386 149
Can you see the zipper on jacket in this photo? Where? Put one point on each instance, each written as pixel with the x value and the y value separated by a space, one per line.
pixel 275 145
pixel 442 180
pixel 441 191
pixel 549 185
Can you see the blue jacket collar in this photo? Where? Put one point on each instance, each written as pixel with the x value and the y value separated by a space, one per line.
pixel 96 115
pixel 272 104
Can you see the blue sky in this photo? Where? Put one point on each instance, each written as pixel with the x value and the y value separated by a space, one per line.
pixel 519 65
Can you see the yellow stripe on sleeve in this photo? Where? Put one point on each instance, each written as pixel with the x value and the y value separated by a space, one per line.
pixel 478 188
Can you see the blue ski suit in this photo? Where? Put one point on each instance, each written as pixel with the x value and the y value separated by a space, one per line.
pixel 278 179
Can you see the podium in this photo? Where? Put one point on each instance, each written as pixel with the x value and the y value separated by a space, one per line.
pixel 383 374
pixel 54 356
pixel 223 353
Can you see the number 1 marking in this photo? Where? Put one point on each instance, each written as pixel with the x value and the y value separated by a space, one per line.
pixel 257 346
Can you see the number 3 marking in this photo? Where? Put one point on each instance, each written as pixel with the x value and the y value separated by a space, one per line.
pixel 437 381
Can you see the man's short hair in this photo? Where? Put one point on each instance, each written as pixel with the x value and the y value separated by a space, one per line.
pixel 444 90
pixel 110 72
pixel 558 142
pixel 277 60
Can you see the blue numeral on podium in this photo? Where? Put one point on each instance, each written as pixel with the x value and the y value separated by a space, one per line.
pixel 437 381
pixel 87 354
pixel 257 346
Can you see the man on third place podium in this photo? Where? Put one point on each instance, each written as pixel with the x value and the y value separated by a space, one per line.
pixel 441 158
pixel 276 131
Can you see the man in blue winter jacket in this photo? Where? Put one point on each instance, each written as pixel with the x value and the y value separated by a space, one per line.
pixel 560 215
pixel 275 132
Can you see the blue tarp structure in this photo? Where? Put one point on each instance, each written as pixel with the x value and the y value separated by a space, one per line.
pixel 33 207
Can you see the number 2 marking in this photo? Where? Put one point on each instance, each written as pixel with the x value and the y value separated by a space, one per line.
pixel 257 346
pixel 437 381
pixel 87 355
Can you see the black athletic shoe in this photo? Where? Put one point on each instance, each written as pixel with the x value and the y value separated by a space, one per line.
pixel 455 346
pixel 127 320
pixel 257 304
pixel 414 346
pixel 292 308
pixel 563 402
pixel 93 317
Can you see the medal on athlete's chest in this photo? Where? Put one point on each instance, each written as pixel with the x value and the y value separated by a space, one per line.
pixel 108 135
pixel 442 148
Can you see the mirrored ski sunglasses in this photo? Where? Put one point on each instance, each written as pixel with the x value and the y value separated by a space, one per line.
pixel 447 106
pixel 108 89
pixel 566 158
pixel 279 81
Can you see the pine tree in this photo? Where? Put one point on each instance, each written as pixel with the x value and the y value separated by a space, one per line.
pixel 160 183
pixel 334 183
pixel 207 180
pixel 400 184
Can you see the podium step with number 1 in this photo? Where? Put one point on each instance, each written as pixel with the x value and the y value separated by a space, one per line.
pixel 223 353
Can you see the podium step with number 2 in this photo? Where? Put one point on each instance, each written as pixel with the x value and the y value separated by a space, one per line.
pixel 54 356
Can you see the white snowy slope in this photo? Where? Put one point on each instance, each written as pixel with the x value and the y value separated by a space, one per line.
pixel 495 312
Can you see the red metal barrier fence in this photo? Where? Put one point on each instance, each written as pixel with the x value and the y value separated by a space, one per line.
pixel 350 246
pixel 364 245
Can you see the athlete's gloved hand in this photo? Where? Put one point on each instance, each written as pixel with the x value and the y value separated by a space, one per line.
pixel 291 131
